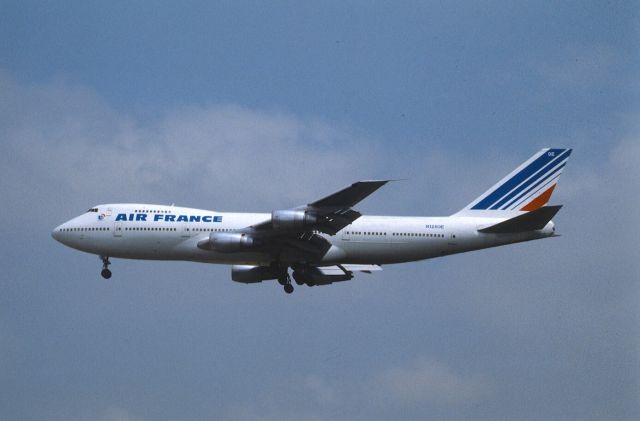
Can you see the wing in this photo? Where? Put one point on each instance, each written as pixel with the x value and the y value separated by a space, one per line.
pixel 293 234
pixel 349 196
pixel 328 215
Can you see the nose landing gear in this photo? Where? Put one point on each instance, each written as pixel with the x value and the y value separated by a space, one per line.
pixel 106 273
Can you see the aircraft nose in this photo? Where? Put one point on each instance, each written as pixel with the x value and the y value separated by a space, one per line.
pixel 56 233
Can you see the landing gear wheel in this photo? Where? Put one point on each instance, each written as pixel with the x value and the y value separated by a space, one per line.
pixel 284 279
pixel 106 273
pixel 298 278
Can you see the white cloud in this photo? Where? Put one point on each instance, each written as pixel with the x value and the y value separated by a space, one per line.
pixel 115 413
pixel 426 381
pixel 64 141
pixel 320 389
pixel 423 381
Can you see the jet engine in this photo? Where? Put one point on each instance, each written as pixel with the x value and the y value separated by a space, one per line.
pixel 292 219
pixel 227 242
pixel 248 274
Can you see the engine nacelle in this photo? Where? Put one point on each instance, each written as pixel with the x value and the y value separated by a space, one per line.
pixel 227 242
pixel 248 274
pixel 292 219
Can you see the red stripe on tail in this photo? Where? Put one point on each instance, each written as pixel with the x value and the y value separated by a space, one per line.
pixel 539 201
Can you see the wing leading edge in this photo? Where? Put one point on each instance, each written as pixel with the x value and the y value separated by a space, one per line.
pixel 349 196
pixel 328 215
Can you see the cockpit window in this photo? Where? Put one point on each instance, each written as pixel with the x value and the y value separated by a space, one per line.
pixel 93 210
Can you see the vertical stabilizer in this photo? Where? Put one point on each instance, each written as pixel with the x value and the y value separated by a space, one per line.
pixel 527 188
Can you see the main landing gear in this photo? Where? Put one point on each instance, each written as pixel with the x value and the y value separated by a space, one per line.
pixel 285 280
pixel 106 273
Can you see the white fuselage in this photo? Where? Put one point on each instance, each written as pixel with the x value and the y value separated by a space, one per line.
pixel 172 233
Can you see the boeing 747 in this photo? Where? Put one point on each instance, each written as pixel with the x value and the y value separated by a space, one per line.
pixel 325 241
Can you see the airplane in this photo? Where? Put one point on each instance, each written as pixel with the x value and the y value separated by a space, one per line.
pixel 325 241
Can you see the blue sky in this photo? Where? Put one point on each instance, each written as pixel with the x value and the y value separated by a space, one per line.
pixel 255 106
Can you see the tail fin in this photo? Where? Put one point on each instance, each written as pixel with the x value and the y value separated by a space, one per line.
pixel 527 188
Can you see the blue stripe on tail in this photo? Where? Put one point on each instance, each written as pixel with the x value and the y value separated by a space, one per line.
pixel 549 166
pixel 510 184
pixel 533 187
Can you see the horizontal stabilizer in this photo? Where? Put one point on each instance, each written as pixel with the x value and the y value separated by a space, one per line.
pixel 530 221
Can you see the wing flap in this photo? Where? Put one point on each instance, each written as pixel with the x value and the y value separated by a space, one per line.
pixel 362 268
pixel 334 222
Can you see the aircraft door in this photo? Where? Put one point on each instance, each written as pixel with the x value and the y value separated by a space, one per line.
pixel 186 230
pixel 453 238
pixel 117 229
pixel 346 236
